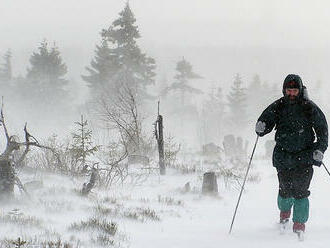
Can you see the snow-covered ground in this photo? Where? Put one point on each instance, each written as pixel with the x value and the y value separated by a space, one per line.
pixel 157 213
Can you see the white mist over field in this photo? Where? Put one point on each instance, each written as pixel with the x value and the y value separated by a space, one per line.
pixel 89 78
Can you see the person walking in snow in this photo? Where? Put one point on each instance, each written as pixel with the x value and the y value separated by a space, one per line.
pixel 301 140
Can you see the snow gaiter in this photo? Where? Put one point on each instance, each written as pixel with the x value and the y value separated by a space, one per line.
pixel 301 210
pixel 284 204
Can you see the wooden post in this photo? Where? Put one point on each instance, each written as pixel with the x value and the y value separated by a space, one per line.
pixel 161 146
pixel 160 141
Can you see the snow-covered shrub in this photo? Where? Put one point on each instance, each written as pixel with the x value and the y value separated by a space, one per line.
pixel 16 217
pixel 109 228
pixel 171 150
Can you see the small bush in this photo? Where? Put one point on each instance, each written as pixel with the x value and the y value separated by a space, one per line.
pixel 137 214
pixel 169 201
pixel 104 241
pixel 20 219
pixel 149 214
pixel 20 243
pixel 109 228
pixel 141 214
pixel 101 210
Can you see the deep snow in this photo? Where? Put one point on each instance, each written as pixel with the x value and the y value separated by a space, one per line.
pixel 187 220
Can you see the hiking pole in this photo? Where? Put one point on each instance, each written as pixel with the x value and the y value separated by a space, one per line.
pixel 240 194
pixel 326 168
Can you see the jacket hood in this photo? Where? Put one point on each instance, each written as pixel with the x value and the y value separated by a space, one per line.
pixel 293 81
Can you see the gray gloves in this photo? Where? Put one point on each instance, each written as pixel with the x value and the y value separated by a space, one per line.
pixel 318 156
pixel 260 127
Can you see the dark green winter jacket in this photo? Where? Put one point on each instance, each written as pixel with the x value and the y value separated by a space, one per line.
pixel 301 128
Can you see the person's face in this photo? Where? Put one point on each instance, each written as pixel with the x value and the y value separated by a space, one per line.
pixel 292 93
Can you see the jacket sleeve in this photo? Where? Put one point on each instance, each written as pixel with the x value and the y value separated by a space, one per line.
pixel 270 117
pixel 321 129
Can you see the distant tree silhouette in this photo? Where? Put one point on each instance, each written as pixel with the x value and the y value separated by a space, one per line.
pixel 102 69
pixel 184 75
pixel 119 61
pixel 237 104
pixel 45 76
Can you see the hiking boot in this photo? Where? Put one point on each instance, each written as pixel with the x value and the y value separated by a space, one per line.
pixel 298 227
pixel 284 216
pixel 284 221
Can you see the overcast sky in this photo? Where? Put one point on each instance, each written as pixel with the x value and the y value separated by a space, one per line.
pixel 271 38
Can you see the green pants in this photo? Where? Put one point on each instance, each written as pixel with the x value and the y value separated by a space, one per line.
pixel 300 208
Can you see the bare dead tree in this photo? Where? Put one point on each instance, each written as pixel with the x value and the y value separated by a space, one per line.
pixel 121 114
pixel 114 170
pixel 8 176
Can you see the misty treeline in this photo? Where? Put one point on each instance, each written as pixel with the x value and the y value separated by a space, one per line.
pixel 122 103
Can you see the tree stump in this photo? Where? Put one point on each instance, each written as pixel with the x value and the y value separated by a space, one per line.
pixel 7 179
pixel 210 185
pixel 87 187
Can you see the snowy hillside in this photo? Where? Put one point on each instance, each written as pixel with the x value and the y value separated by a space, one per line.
pixel 157 213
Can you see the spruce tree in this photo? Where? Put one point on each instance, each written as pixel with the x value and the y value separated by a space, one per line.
pixel 82 146
pixel 182 79
pixel 102 69
pixel 237 104
pixel 215 104
pixel 136 69
pixel 218 100
pixel 255 83
pixel 259 95
pixel 45 77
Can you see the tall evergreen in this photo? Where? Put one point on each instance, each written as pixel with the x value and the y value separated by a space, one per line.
pixel 45 77
pixel 217 99
pixel 102 68
pixel 6 69
pixel 237 104
pixel 182 79
pixel 215 103
pixel 255 83
pixel 258 95
pixel 135 68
